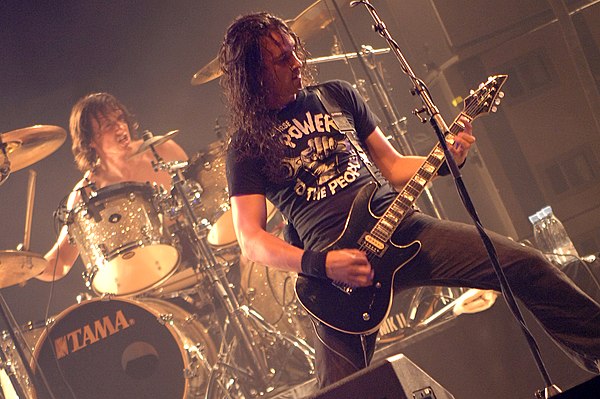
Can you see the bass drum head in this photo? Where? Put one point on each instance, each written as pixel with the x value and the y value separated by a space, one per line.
pixel 123 349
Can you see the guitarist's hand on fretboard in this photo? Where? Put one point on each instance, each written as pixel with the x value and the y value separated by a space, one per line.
pixel 350 267
pixel 462 141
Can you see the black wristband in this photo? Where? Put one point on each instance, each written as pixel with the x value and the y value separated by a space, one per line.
pixel 313 263
pixel 444 170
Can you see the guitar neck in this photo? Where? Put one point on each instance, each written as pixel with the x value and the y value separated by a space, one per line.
pixel 392 217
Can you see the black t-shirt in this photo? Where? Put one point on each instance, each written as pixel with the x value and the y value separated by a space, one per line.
pixel 318 193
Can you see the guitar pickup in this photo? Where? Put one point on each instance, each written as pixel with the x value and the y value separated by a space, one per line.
pixel 373 244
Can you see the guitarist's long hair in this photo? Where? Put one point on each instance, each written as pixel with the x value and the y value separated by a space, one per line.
pixel 252 123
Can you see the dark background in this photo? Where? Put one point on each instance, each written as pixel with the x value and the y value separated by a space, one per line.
pixel 540 148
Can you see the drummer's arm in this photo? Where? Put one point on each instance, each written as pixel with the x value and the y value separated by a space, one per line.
pixel 61 258
pixel 63 253
pixel 249 220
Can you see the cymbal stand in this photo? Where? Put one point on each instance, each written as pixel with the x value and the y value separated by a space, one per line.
pixel 27 382
pixel 258 368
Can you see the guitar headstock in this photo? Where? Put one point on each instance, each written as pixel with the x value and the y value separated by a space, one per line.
pixel 486 98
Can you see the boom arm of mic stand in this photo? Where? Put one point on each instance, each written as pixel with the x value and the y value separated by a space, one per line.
pixel 441 129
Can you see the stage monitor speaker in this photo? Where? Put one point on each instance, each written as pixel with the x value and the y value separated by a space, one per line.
pixel 393 378
pixel 588 390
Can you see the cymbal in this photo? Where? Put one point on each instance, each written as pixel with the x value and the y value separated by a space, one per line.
pixel 155 141
pixel 210 71
pixel 19 266
pixel 313 19
pixel 28 145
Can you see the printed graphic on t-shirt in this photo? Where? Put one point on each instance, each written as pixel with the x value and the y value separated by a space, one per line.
pixel 323 161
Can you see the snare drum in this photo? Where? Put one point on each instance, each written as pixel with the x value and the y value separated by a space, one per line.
pixel 121 348
pixel 121 239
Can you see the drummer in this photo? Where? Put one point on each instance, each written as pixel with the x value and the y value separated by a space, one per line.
pixel 104 135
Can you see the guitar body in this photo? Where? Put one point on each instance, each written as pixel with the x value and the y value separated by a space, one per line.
pixel 362 310
pixel 357 310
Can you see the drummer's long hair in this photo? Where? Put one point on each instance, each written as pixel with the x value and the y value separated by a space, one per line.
pixel 83 112
pixel 252 123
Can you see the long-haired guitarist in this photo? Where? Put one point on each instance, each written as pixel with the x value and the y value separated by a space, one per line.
pixel 285 147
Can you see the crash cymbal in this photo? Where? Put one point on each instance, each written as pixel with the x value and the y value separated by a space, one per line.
pixel 310 21
pixel 28 145
pixel 150 140
pixel 19 266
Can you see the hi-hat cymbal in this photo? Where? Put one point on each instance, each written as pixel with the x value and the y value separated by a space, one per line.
pixel 310 21
pixel 26 146
pixel 19 266
pixel 153 141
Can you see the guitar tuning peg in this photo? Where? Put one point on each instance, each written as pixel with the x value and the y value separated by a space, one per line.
pixel 481 85
pixel 494 108
pixel 501 94
pixel 498 101
pixel 472 91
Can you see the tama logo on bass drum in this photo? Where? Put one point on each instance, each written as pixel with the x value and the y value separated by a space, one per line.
pixel 90 334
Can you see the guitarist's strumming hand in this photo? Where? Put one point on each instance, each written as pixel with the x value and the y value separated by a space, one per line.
pixel 462 141
pixel 349 266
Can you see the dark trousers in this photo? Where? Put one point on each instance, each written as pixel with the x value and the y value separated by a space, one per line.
pixel 453 254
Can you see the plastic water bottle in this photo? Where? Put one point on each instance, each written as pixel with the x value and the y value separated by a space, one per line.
pixel 541 236
pixel 551 237
pixel 563 246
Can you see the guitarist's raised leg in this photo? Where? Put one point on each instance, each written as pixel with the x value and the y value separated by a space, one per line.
pixel 453 255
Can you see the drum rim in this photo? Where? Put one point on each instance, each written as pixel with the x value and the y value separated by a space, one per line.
pixel 103 192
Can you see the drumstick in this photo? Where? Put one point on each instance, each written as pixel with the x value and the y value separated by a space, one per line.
pixel 29 211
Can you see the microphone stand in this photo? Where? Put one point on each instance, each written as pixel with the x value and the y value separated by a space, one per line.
pixel 395 123
pixel 441 130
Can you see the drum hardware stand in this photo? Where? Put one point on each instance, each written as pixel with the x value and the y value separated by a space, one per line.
pixel 258 368
pixel 440 127
pixel 17 339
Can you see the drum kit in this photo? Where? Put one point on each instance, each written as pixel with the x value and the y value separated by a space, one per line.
pixel 168 317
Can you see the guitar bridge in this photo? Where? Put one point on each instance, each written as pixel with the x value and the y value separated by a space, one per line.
pixel 346 289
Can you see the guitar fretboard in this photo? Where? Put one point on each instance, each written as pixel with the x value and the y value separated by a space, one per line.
pixel 392 217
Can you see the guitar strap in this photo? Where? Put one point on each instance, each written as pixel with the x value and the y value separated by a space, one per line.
pixel 345 127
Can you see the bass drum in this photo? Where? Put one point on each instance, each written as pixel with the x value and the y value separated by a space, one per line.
pixel 121 348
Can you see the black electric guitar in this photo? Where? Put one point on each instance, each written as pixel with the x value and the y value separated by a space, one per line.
pixel 362 310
